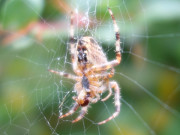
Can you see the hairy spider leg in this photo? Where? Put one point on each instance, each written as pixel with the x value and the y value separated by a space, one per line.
pixel 109 75
pixel 117 97
pixel 106 76
pixel 94 100
pixel 83 112
pixel 108 96
pixel 117 43
pixel 73 109
pixel 72 42
pixel 113 63
pixel 63 74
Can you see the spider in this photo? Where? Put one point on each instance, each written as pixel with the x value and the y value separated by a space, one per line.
pixel 93 72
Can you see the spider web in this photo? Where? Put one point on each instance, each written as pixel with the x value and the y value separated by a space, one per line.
pixel 31 98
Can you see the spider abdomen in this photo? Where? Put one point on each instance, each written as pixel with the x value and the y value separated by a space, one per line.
pixel 94 53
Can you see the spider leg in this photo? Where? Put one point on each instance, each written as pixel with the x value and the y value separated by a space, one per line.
pixel 117 43
pixel 109 88
pixel 115 62
pixel 110 93
pixel 83 112
pixel 72 43
pixel 72 26
pixel 72 40
pixel 115 86
pixel 94 100
pixel 106 75
pixel 73 109
pixel 66 75
pixel 111 74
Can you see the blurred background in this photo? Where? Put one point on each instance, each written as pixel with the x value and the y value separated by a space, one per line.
pixel 34 38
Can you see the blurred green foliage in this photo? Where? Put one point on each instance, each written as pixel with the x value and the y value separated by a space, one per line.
pixel 33 38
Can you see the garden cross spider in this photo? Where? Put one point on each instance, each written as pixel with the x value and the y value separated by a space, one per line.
pixel 91 67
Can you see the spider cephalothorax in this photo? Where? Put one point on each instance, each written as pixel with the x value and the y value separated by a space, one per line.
pixel 93 72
